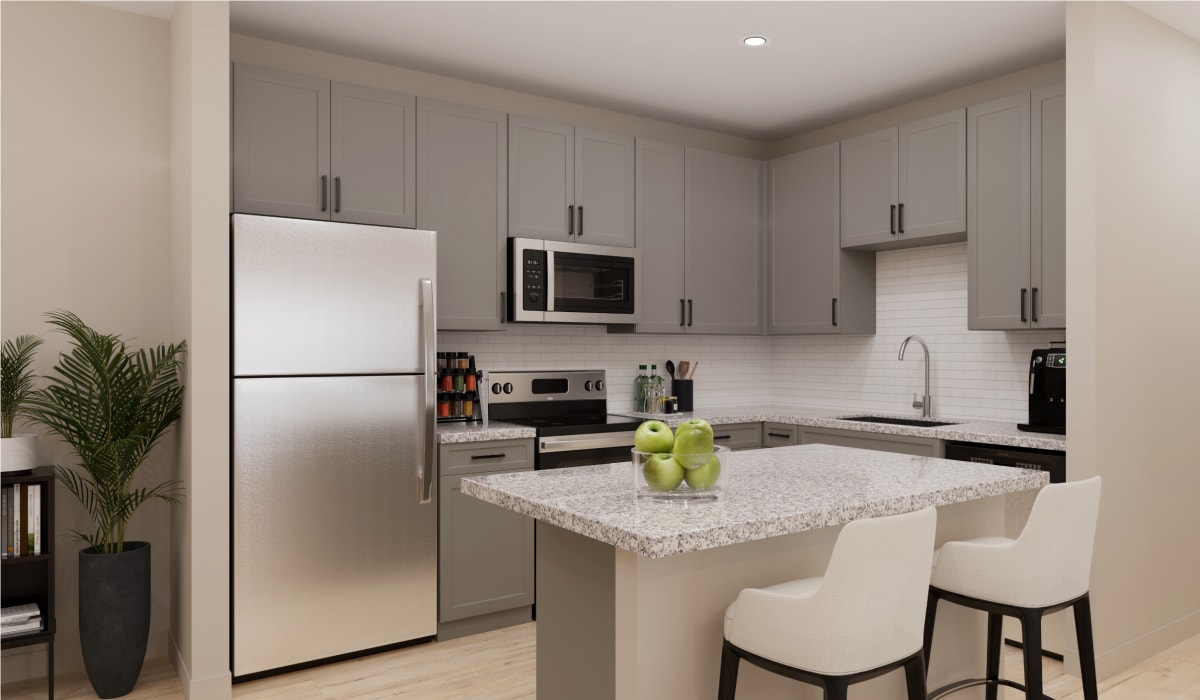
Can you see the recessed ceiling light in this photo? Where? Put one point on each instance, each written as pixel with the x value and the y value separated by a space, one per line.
pixel 754 40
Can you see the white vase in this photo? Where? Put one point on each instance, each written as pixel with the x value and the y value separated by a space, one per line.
pixel 18 453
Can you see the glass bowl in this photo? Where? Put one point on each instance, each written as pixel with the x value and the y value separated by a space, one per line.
pixel 664 477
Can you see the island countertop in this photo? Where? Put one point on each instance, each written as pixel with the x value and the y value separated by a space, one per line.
pixel 771 492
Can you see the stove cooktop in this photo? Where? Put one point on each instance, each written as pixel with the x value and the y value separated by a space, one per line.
pixel 548 426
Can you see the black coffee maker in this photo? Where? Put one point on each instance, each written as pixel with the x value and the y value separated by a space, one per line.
pixel 1047 392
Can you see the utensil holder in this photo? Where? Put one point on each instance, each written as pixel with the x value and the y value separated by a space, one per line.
pixel 683 391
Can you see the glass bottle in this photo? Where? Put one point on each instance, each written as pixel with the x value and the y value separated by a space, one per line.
pixel 654 391
pixel 639 390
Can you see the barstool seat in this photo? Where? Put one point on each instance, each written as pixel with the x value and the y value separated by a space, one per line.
pixel 1045 569
pixel 860 620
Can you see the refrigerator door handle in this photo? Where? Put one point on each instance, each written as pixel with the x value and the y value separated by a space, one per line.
pixel 428 339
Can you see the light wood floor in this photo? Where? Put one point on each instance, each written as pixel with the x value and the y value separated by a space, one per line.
pixel 500 666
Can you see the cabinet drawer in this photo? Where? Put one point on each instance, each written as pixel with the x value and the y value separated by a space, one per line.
pixel 484 457
pixel 780 435
pixel 902 444
pixel 738 436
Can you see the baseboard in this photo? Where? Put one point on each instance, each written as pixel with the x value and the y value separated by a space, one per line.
pixel 1121 657
pixel 24 663
pixel 216 687
pixel 484 623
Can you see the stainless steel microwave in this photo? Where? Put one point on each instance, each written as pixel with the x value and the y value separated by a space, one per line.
pixel 557 282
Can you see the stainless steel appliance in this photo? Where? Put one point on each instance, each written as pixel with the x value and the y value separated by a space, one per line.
pixel 569 409
pixel 1047 392
pixel 334 515
pixel 1025 457
pixel 559 282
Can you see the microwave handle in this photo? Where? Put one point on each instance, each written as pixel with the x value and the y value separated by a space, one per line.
pixel 549 280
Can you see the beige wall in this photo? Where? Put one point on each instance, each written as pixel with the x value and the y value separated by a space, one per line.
pixel 200 311
pixel 270 54
pixel 1133 173
pixel 85 156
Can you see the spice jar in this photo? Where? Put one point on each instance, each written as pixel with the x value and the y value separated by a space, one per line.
pixel 456 405
pixel 461 361
pixel 460 380
pixel 468 405
pixel 471 375
pixel 443 406
pixel 447 382
pixel 441 360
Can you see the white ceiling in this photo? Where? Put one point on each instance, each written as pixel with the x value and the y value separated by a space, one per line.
pixel 684 61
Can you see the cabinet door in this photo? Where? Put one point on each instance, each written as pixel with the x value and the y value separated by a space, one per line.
pixel 541 179
pixel 280 143
pixel 803 243
pixel 998 214
pixel 723 226
pixel 869 188
pixel 486 555
pixel 933 177
pixel 462 176
pixel 901 444
pixel 372 153
pixel 660 216
pixel 604 183
pixel 1048 265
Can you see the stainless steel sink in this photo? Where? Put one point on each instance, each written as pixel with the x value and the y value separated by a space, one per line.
pixel 916 422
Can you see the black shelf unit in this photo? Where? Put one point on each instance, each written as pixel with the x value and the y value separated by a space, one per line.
pixel 30 579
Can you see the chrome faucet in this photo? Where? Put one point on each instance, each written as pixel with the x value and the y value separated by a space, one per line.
pixel 925 404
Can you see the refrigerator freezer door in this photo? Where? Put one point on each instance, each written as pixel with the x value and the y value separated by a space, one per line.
pixel 314 297
pixel 333 553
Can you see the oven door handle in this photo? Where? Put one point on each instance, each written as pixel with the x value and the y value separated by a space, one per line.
pixel 575 444
pixel 549 280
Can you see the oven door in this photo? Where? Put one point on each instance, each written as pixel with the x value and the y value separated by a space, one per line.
pixel 590 284
pixel 583 450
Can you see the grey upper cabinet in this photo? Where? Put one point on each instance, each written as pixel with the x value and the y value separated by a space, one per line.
pixel 462 193
pixel 661 237
pixel 570 184
pixel 1016 246
pixel 813 285
pixel 905 186
pixel 309 148
pixel 280 143
pixel 723 223
pixel 373 156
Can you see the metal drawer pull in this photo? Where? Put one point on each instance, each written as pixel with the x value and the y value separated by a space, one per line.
pixel 682 313
pixel 574 444
pixel 337 194
pixel 782 435
pixel 1024 293
pixel 570 219
pixel 892 219
pixel 1033 305
pixel 324 192
pixel 581 219
pixel 498 456
pixel 900 218
pixel 722 437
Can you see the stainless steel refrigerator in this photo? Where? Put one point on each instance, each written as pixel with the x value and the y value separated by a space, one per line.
pixel 334 515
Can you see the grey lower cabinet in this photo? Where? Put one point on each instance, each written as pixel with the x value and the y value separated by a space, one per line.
pixel 780 435
pixel 485 552
pixel 462 193
pixel 906 185
pixel 813 284
pixel 903 444
pixel 568 183
pixel 311 148
pixel 1016 247
pixel 739 436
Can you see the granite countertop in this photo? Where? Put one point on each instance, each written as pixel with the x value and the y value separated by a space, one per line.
pixel 450 433
pixel 771 492
pixel 964 430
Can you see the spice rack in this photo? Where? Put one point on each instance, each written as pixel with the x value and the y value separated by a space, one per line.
pixel 458 388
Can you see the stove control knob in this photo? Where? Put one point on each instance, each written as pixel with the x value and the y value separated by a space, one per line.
pixel 587 386
pixel 496 388
pixel 599 385
pixel 508 387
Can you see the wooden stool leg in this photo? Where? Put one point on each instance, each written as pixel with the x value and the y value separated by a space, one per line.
pixel 1082 611
pixel 994 633
pixel 914 674
pixel 836 688
pixel 1031 638
pixel 930 616
pixel 727 687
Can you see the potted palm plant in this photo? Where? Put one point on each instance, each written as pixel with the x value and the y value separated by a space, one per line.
pixel 111 405
pixel 18 453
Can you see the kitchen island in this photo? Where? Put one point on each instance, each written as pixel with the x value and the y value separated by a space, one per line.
pixel 631 594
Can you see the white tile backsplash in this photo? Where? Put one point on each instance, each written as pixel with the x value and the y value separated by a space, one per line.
pixel 923 291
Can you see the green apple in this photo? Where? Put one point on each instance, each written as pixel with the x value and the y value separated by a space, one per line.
pixel 653 436
pixel 662 472
pixel 693 443
pixel 704 476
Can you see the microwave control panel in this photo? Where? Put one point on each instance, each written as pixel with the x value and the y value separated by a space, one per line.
pixel 533 280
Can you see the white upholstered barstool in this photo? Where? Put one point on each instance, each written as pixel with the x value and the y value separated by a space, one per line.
pixel 860 620
pixel 1044 570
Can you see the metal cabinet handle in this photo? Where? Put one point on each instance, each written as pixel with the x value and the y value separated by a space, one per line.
pixel 835 311
pixel 682 314
pixel 900 218
pixel 428 340
pixel 337 194
pixel 324 192
pixel 722 437
pixel 503 307
pixel 495 456
pixel 1024 293
pixel 778 435
pixel 1033 305
pixel 892 219
pixel 580 210
pixel 689 313
pixel 570 219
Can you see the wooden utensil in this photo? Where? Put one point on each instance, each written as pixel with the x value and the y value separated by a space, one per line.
pixel 683 368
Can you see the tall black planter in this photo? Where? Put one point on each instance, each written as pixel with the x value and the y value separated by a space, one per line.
pixel 114 616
